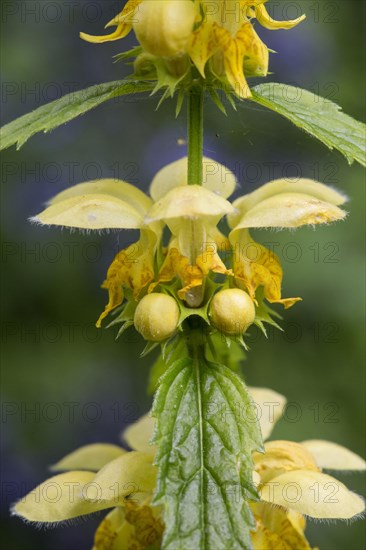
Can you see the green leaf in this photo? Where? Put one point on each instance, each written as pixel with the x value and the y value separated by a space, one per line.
pixel 52 115
pixel 206 432
pixel 316 115
pixel 172 350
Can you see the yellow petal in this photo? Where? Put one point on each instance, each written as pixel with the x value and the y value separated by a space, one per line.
pixel 313 494
pixel 115 295
pixel 276 530
pixel 221 241
pixel 192 276
pixel 147 524
pixel 123 21
pixel 280 457
pixel 177 265
pixel 91 212
pixel 216 178
pixel 332 456
pixel 127 14
pixel 211 261
pixel 297 520
pixel 306 186
pixel 120 32
pixel 118 189
pixel 255 266
pixel 134 527
pixel 266 20
pixel 107 532
pixel 256 56
pixel 132 267
pixel 233 51
pixel 270 406
pixel 61 498
pixel 202 46
pixel 189 201
pixel 138 435
pixel 290 210
pixel 190 236
pixel 90 457
pixel 264 539
pixel 126 475
pixel 256 478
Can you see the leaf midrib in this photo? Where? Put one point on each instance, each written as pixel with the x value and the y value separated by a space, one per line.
pixel 196 366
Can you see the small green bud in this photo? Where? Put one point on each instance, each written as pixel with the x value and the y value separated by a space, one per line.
pixel 156 317
pixel 232 311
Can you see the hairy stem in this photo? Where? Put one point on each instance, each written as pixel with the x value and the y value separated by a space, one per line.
pixel 195 135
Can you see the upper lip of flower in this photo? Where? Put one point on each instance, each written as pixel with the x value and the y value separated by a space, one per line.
pixel 284 203
pixel 97 205
pixel 191 202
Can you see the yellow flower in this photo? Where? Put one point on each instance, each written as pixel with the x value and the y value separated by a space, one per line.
pixel 292 485
pixel 291 477
pixel 99 477
pixel 278 204
pixel 110 204
pixel 278 529
pixel 219 31
pixel 191 213
pixel 227 36
pixel 123 22
pixel 192 218
pixel 102 476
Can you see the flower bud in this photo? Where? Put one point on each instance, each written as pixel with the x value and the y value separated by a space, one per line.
pixel 156 317
pixel 163 27
pixel 232 311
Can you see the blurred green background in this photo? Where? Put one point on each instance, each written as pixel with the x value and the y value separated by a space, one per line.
pixel 64 384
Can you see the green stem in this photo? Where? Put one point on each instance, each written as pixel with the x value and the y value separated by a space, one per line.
pixel 195 135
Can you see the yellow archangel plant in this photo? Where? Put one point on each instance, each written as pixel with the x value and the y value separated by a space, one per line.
pixel 289 475
pixel 195 282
